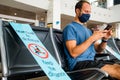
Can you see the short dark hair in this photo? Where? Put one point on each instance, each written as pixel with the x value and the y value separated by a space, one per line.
pixel 80 4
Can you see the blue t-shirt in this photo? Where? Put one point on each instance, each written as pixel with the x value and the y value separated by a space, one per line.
pixel 78 32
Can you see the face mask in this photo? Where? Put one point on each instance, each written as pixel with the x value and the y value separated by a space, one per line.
pixel 84 18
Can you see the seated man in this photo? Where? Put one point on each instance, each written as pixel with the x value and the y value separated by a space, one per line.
pixel 80 44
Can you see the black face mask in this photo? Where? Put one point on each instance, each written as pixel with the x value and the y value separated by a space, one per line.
pixel 84 17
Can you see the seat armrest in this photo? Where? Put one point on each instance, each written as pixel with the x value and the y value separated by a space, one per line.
pixel 102 56
pixel 87 74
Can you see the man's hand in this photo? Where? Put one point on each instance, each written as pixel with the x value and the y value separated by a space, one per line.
pixel 102 34
pixel 99 34
pixel 107 34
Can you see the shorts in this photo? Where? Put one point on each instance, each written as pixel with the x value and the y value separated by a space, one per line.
pixel 91 64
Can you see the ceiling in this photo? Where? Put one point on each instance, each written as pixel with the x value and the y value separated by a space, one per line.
pixel 13 8
pixel 22 6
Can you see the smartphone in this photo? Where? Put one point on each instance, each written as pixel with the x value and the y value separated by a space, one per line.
pixel 108 27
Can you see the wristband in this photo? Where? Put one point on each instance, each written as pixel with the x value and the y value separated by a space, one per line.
pixel 104 40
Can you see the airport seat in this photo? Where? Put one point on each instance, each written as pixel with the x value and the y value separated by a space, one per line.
pixel 18 63
pixel 117 41
pixel 114 44
pixel 0 49
pixel 84 74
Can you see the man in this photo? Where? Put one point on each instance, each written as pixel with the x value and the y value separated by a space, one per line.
pixel 80 44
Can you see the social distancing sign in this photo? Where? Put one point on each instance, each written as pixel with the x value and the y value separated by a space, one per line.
pixel 38 50
pixel 43 57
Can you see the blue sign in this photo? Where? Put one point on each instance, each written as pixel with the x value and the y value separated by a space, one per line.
pixel 43 57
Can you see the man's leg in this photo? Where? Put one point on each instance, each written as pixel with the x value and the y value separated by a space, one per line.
pixel 112 70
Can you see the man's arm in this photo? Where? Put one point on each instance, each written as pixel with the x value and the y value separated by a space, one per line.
pixel 76 50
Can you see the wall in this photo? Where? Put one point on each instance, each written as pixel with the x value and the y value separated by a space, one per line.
pixel 98 14
pixel 67 7
pixel 116 13
pixel 101 14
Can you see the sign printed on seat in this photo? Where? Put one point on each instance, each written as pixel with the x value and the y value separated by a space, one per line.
pixel 38 50
pixel 43 57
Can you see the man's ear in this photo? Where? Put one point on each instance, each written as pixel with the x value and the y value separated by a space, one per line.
pixel 77 11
